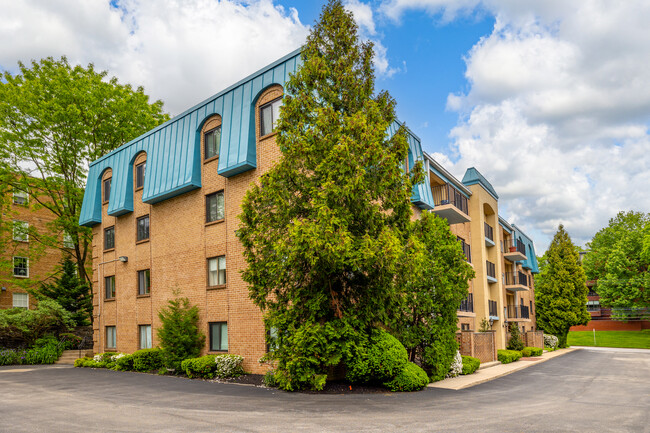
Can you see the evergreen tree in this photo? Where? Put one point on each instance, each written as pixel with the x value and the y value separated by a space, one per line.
pixel 323 231
pixel 434 283
pixel 70 292
pixel 560 289
pixel 180 337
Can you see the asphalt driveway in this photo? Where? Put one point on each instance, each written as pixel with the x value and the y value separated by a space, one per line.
pixel 582 391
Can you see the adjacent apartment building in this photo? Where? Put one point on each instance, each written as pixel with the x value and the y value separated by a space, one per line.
pixel 164 211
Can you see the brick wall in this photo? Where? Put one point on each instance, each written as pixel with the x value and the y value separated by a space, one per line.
pixel 612 325
pixel 534 339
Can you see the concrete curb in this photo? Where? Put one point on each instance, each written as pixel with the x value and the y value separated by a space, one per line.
pixel 491 372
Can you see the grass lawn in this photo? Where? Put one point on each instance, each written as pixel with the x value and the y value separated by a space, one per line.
pixel 634 339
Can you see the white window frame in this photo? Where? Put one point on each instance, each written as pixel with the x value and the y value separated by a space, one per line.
pixel 14 266
pixel 22 195
pixel 274 107
pixel 23 303
pixel 23 235
pixel 216 269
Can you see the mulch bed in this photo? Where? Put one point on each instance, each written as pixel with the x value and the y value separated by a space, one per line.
pixel 331 387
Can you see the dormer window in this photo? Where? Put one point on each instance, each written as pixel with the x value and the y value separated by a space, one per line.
pixel 139 175
pixel 107 189
pixel 269 115
pixel 212 141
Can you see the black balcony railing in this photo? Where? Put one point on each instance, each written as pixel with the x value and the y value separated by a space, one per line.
pixel 514 278
pixel 491 269
pixel 492 308
pixel 518 246
pixel 447 194
pixel 489 232
pixel 466 249
pixel 518 312
pixel 467 304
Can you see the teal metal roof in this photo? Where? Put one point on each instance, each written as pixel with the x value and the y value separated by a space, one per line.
pixel 473 176
pixel 531 258
pixel 505 224
pixel 174 154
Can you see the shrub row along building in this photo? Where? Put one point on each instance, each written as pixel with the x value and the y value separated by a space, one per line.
pixel 164 209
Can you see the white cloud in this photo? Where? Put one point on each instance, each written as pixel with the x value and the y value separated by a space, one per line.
pixel 181 50
pixel 557 112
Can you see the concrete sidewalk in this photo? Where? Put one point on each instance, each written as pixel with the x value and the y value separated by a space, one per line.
pixel 492 371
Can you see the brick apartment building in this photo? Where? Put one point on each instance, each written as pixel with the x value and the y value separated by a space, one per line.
pixel 27 263
pixel 164 211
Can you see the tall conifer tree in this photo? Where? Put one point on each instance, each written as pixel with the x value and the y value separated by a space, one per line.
pixel 560 290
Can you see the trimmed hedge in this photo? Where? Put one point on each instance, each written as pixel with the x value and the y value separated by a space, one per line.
pixel 377 360
pixel 411 378
pixel 470 364
pixel 211 366
pixel 508 356
pixel 147 360
pixel 532 351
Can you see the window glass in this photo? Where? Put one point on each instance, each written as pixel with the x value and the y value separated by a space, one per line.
pixel 67 240
pixel 143 228
pixel 269 115
pixel 219 336
pixel 109 286
pixel 20 197
pixel 145 336
pixel 20 300
pixel 21 231
pixel 217 271
pixel 212 142
pixel 107 189
pixel 214 207
pixel 139 175
pixel 109 238
pixel 144 282
pixel 21 267
pixel 111 337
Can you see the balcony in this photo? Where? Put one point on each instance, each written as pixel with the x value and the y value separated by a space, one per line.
pixel 467 304
pixel 450 204
pixel 492 308
pixel 518 312
pixel 516 281
pixel 489 235
pixel 514 251
pixel 491 270
pixel 466 249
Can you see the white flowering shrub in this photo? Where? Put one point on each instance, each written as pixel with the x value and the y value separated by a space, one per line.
pixel 550 341
pixel 456 366
pixel 228 366
pixel 97 358
pixel 118 356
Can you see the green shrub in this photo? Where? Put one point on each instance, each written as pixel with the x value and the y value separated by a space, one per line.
pixel 470 364
pixel 508 356
pixel 25 326
pixel 269 379
pixel 46 350
pixel 229 366
pixel 147 359
pixel 69 341
pixel 124 362
pixel 515 342
pixel 80 361
pixel 203 367
pixel 532 351
pixel 179 335
pixel 379 359
pixel 411 378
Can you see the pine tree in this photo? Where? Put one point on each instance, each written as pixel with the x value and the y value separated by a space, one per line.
pixel 322 233
pixel 560 290
pixel 70 292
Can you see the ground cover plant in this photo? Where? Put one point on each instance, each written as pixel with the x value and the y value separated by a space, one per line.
pixel 629 339
pixel 508 356
pixel 470 364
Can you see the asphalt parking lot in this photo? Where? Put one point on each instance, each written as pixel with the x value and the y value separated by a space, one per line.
pixel 582 391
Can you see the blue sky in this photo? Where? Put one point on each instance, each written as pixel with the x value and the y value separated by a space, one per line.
pixel 548 99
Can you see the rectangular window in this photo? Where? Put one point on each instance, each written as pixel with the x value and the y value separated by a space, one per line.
pixel 107 189
pixel 217 271
pixel 218 336
pixel 144 282
pixel 143 228
pixel 111 337
pixel 21 197
pixel 212 140
pixel 21 231
pixel 464 326
pixel 139 175
pixel 214 207
pixel 145 336
pixel 269 115
pixel 21 300
pixel 109 287
pixel 109 238
pixel 67 240
pixel 21 267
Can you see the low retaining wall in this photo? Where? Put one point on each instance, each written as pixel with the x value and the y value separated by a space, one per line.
pixel 481 345
pixel 613 325
pixel 534 339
